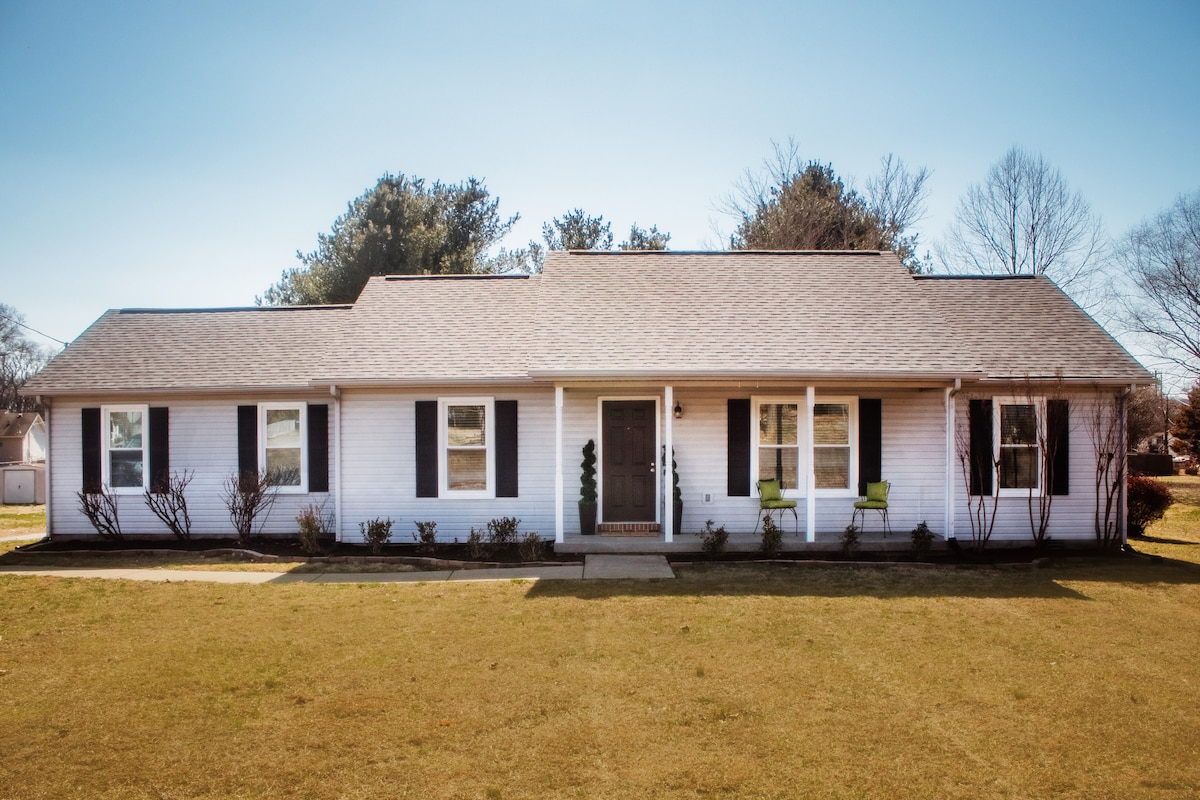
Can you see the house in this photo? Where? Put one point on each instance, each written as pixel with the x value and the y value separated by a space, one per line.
pixel 460 399
pixel 22 438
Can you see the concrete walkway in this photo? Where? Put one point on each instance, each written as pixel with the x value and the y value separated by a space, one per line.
pixel 596 567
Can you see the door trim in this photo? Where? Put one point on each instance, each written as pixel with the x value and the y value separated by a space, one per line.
pixel 600 401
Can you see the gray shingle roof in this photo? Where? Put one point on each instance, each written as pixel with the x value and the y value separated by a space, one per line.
pixel 612 315
pixel 439 328
pixel 1026 326
pixel 208 350
pixel 738 313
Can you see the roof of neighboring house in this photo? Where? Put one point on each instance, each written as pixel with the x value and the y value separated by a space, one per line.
pixel 436 328
pixel 759 314
pixel 1022 326
pixel 181 350
pixel 618 315
pixel 16 423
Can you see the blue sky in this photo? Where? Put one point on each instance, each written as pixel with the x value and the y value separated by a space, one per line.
pixel 179 154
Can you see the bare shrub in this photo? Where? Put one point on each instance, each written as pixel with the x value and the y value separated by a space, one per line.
pixel 249 496
pixel 530 547
pixel 376 533
pixel 169 504
pixel 712 540
pixel 100 508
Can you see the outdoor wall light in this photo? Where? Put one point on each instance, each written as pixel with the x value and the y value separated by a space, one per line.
pixel 678 411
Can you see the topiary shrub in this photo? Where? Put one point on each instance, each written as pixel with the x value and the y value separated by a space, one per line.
pixel 1148 501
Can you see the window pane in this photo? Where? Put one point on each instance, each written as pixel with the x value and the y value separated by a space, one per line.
pixel 832 467
pixel 831 423
pixel 283 427
pixel 780 463
pixel 125 429
pixel 283 464
pixel 466 469
pixel 125 469
pixel 1018 424
pixel 465 425
pixel 778 423
pixel 1018 467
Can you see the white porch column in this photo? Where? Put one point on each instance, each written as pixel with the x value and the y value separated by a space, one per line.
pixel 950 459
pixel 668 481
pixel 559 525
pixel 810 478
pixel 337 463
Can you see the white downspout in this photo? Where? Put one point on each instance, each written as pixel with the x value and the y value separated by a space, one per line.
pixel 951 419
pixel 47 470
pixel 810 478
pixel 559 525
pixel 337 462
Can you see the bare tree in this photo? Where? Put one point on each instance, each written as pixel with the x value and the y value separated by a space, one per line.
pixel 167 499
pixel 1162 259
pixel 1107 444
pixel 20 358
pixel 249 495
pixel 100 508
pixel 983 505
pixel 1025 220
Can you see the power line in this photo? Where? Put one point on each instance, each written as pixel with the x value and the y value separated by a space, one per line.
pixel 35 330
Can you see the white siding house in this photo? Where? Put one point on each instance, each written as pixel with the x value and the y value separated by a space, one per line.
pixel 459 399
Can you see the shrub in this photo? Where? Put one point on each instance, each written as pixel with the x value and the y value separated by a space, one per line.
pixel 530 547
pixel 712 540
pixel 1191 470
pixel 587 475
pixel 477 545
pixel 249 495
pixel 922 540
pixel 850 541
pixel 100 508
pixel 315 525
pixel 169 504
pixel 502 532
pixel 1148 501
pixel 376 533
pixel 772 537
pixel 426 536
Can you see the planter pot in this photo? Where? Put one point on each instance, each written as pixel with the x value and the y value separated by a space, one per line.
pixel 677 522
pixel 587 518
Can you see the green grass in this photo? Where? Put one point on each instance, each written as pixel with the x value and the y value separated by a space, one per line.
pixel 22 519
pixel 1074 681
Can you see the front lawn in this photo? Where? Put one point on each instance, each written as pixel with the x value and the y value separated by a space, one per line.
pixel 1079 680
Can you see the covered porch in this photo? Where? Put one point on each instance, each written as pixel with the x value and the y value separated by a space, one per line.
pixel 824 542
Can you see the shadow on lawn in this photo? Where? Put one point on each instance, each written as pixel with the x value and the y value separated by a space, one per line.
pixel 882 583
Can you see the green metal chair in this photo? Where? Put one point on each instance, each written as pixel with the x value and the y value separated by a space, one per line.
pixel 876 500
pixel 770 498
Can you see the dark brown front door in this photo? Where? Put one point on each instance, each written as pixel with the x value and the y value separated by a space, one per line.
pixel 629 474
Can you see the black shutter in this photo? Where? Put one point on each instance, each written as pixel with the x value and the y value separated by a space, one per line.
pixel 737 449
pixel 247 426
pixel 506 448
pixel 318 448
pixel 427 448
pixel 870 443
pixel 982 465
pixel 92 471
pixel 160 450
pixel 1058 435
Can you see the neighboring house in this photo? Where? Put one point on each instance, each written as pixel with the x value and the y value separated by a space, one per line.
pixel 22 438
pixel 459 399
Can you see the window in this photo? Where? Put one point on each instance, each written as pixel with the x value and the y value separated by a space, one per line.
pixel 124 439
pixel 779 443
pixel 1020 461
pixel 466 433
pixel 782 450
pixel 832 460
pixel 282 443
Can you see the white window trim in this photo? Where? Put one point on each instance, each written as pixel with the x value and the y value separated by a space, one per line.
pixel 1039 405
pixel 263 408
pixel 805 446
pixel 851 402
pixel 106 439
pixel 489 427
